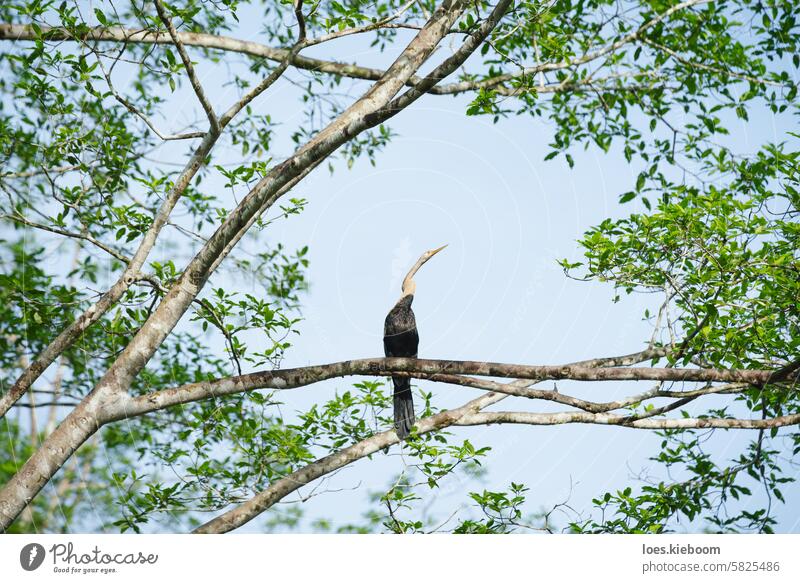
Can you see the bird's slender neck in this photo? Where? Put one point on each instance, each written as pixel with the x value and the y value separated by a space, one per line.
pixel 409 285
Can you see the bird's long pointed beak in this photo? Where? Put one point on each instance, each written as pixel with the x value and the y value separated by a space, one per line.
pixel 428 254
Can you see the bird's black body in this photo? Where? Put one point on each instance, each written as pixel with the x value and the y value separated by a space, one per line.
pixel 400 338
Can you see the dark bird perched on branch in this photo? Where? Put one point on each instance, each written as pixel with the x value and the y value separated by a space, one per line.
pixel 400 338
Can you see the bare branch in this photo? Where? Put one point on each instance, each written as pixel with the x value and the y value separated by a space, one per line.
pixel 82 236
pixel 360 29
pixel 426 368
pixel 650 353
pixel 301 21
pixel 187 63
pixel 625 421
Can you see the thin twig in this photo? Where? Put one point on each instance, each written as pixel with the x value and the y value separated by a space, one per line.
pixel 187 63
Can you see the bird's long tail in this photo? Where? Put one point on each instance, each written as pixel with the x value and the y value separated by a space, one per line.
pixel 403 407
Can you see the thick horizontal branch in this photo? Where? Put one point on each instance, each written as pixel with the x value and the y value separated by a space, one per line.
pixel 209 41
pixel 298 377
pixel 555 396
pixel 257 50
pixel 197 39
pixel 625 421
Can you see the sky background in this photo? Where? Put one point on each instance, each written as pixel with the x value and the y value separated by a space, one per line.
pixel 495 294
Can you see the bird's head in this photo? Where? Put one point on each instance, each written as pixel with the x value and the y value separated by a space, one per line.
pixel 428 254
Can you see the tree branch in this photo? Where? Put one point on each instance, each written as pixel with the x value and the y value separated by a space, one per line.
pixel 625 421
pixel 301 21
pixel 81 236
pixel 17 32
pixel 187 63
pixel 426 368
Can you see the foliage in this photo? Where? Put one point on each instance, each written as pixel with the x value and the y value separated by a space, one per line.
pixel 726 258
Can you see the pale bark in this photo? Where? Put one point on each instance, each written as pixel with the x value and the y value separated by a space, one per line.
pixel 112 388
pixel 437 370
pixel 216 42
pixel 625 421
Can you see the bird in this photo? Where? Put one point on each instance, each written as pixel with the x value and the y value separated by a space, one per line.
pixel 401 339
